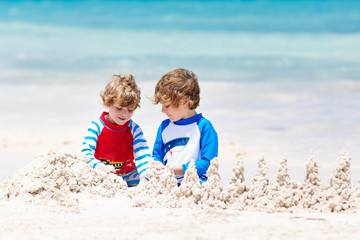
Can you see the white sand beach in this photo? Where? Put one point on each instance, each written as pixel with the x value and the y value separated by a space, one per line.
pixel 102 222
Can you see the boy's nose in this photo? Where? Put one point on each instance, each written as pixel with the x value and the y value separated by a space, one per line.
pixel 123 112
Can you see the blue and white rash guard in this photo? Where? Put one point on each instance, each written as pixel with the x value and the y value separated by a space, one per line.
pixel 178 142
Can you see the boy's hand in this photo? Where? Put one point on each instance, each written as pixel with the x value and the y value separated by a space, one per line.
pixel 178 170
pixel 158 165
pixel 106 168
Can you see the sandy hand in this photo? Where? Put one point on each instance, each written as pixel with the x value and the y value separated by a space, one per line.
pixel 158 165
pixel 106 168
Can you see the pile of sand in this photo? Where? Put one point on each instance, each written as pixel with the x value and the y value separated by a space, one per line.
pixel 63 178
pixel 67 179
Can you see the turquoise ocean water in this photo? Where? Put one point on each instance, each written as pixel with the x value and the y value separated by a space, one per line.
pixel 243 41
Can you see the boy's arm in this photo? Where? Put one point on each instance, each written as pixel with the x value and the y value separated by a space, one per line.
pixel 208 147
pixel 142 153
pixel 90 142
pixel 158 150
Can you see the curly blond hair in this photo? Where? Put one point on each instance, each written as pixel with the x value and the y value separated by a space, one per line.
pixel 177 85
pixel 121 90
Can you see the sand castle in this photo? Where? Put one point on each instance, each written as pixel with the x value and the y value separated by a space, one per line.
pixel 66 178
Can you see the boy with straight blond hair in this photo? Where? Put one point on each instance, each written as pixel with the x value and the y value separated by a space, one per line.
pixel 114 143
pixel 185 135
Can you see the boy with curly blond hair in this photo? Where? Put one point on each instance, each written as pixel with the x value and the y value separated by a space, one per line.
pixel 114 143
pixel 185 135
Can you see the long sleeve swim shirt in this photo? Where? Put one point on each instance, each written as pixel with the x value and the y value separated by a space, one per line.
pixel 193 138
pixel 122 146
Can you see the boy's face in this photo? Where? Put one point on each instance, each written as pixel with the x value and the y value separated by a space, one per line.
pixel 177 113
pixel 119 115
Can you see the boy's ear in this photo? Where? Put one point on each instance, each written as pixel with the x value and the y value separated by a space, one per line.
pixel 103 100
pixel 185 102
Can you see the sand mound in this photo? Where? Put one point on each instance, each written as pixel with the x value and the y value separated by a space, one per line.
pixel 63 178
